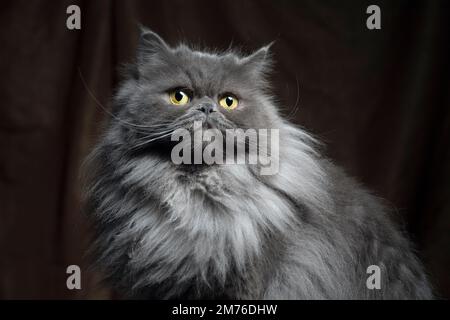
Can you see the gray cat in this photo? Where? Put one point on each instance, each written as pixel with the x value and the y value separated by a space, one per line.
pixel 166 231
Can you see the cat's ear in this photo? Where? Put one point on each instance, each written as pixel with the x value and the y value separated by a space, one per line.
pixel 260 61
pixel 150 44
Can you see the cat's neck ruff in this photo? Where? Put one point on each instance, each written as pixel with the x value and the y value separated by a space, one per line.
pixel 218 217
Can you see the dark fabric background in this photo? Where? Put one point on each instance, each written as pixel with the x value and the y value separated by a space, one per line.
pixel 379 99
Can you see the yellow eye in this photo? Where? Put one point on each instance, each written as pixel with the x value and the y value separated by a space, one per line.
pixel 229 102
pixel 179 97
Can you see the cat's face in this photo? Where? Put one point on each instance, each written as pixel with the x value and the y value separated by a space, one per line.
pixel 173 87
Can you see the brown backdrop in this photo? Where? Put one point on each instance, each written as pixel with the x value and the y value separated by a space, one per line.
pixel 379 99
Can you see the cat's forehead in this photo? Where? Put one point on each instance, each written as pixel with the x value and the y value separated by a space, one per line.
pixel 207 61
pixel 204 70
pixel 206 55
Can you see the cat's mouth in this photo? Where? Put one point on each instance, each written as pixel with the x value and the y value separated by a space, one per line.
pixel 209 124
pixel 219 122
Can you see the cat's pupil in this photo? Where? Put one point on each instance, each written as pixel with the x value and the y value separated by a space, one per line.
pixel 179 95
pixel 229 101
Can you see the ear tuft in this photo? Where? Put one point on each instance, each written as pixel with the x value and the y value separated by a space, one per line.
pixel 260 60
pixel 150 38
pixel 149 44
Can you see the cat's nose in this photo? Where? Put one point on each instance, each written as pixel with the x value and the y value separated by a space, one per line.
pixel 207 108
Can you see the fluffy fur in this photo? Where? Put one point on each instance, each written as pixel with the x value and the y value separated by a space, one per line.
pixel 225 231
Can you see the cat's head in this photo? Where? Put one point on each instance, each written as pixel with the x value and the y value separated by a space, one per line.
pixel 170 87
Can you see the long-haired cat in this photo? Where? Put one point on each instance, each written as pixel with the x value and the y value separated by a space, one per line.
pixel 164 230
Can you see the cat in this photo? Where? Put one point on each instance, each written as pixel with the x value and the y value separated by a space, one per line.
pixel 178 231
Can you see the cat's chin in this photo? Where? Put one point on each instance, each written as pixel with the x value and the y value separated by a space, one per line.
pixel 195 168
pixel 162 150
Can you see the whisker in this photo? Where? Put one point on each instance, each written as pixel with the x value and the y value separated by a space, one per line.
pixel 177 124
pixel 294 110
pixel 151 140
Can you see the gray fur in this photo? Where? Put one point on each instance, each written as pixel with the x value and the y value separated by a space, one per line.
pixel 224 231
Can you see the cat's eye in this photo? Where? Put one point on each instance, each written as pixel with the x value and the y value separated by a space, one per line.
pixel 229 102
pixel 179 97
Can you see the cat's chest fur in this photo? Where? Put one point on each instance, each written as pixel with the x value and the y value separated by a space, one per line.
pixel 213 226
pixel 217 205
